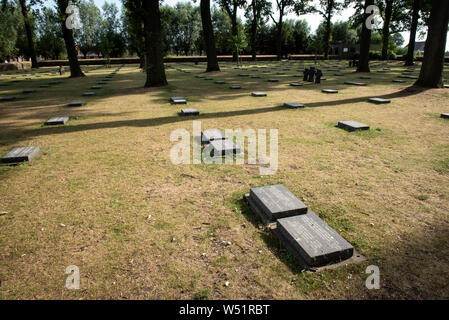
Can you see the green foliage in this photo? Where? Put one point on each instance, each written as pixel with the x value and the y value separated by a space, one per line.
pixel 8 31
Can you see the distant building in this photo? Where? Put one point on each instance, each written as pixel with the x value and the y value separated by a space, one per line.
pixel 419 48
pixel 343 50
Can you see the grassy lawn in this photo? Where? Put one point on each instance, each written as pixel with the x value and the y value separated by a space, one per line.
pixel 105 196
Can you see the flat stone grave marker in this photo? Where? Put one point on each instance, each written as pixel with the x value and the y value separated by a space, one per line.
pixel 21 154
pixel 255 77
pixel 273 80
pixel 220 82
pixel 96 87
pixel 352 125
pixel 445 115
pixel 199 77
pixel 235 87
pixel 243 75
pixel 44 86
pixel 293 105
pixel 189 112
pixel 379 100
pixel 88 94
pixel 446 86
pixel 398 81
pixel 5 99
pixel 54 82
pixel 208 78
pixel 280 73
pixel 380 71
pixel 76 104
pixel 266 71
pixel 275 202
pixel 28 91
pixel 329 91
pixel 178 100
pixel 339 74
pixel 220 148
pixel 312 241
pixel 56 121
pixel 258 94
pixel 296 84
pixel 353 83
pixel 365 77
pixel 211 135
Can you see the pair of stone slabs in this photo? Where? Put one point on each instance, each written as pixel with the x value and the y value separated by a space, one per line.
pixel 220 145
pixel 21 154
pixel 306 236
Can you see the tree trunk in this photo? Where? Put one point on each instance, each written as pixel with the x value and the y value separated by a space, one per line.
pixel 75 69
pixel 411 44
pixel 254 31
pixel 29 33
pixel 209 39
pixel 153 45
pixel 279 37
pixel 234 32
pixel 328 31
pixel 386 29
pixel 432 67
pixel 365 41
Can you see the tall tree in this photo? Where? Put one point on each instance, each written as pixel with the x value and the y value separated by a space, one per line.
pixel 257 10
pixel 75 69
pixel 231 7
pixel 432 68
pixel 88 37
pixel 413 28
pixel 153 44
pixel 29 30
pixel 8 31
pixel 386 28
pixel 209 38
pixel 327 9
pixel 365 40
pixel 283 7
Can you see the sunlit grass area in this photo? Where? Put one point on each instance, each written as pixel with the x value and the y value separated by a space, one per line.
pixel 105 196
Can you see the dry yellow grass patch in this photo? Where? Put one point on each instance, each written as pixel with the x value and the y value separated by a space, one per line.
pixel 386 191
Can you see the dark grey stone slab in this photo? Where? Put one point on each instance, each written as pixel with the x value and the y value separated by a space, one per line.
pixel 189 112
pixel 293 105
pixel 352 125
pixel 44 85
pixel 220 148
pixel 56 121
pixel 365 77
pixel 445 115
pixel 96 87
pixel 54 82
pixel 275 202
pixel 199 77
pixel 211 135
pixel 76 104
pixel 379 100
pixel 273 80
pixel 178 100
pixel 398 81
pixel 255 77
pixel 296 84
pixel 220 82
pixel 313 241
pixel 235 87
pixel 258 94
pixel 5 99
pixel 21 154
pixel 329 91
pixel 243 75
pixel 338 74
pixel 353 83
pixel 208 78
pixel 88 94
pixel 28 91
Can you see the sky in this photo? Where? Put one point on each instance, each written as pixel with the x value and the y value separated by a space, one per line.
pixel 312 19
